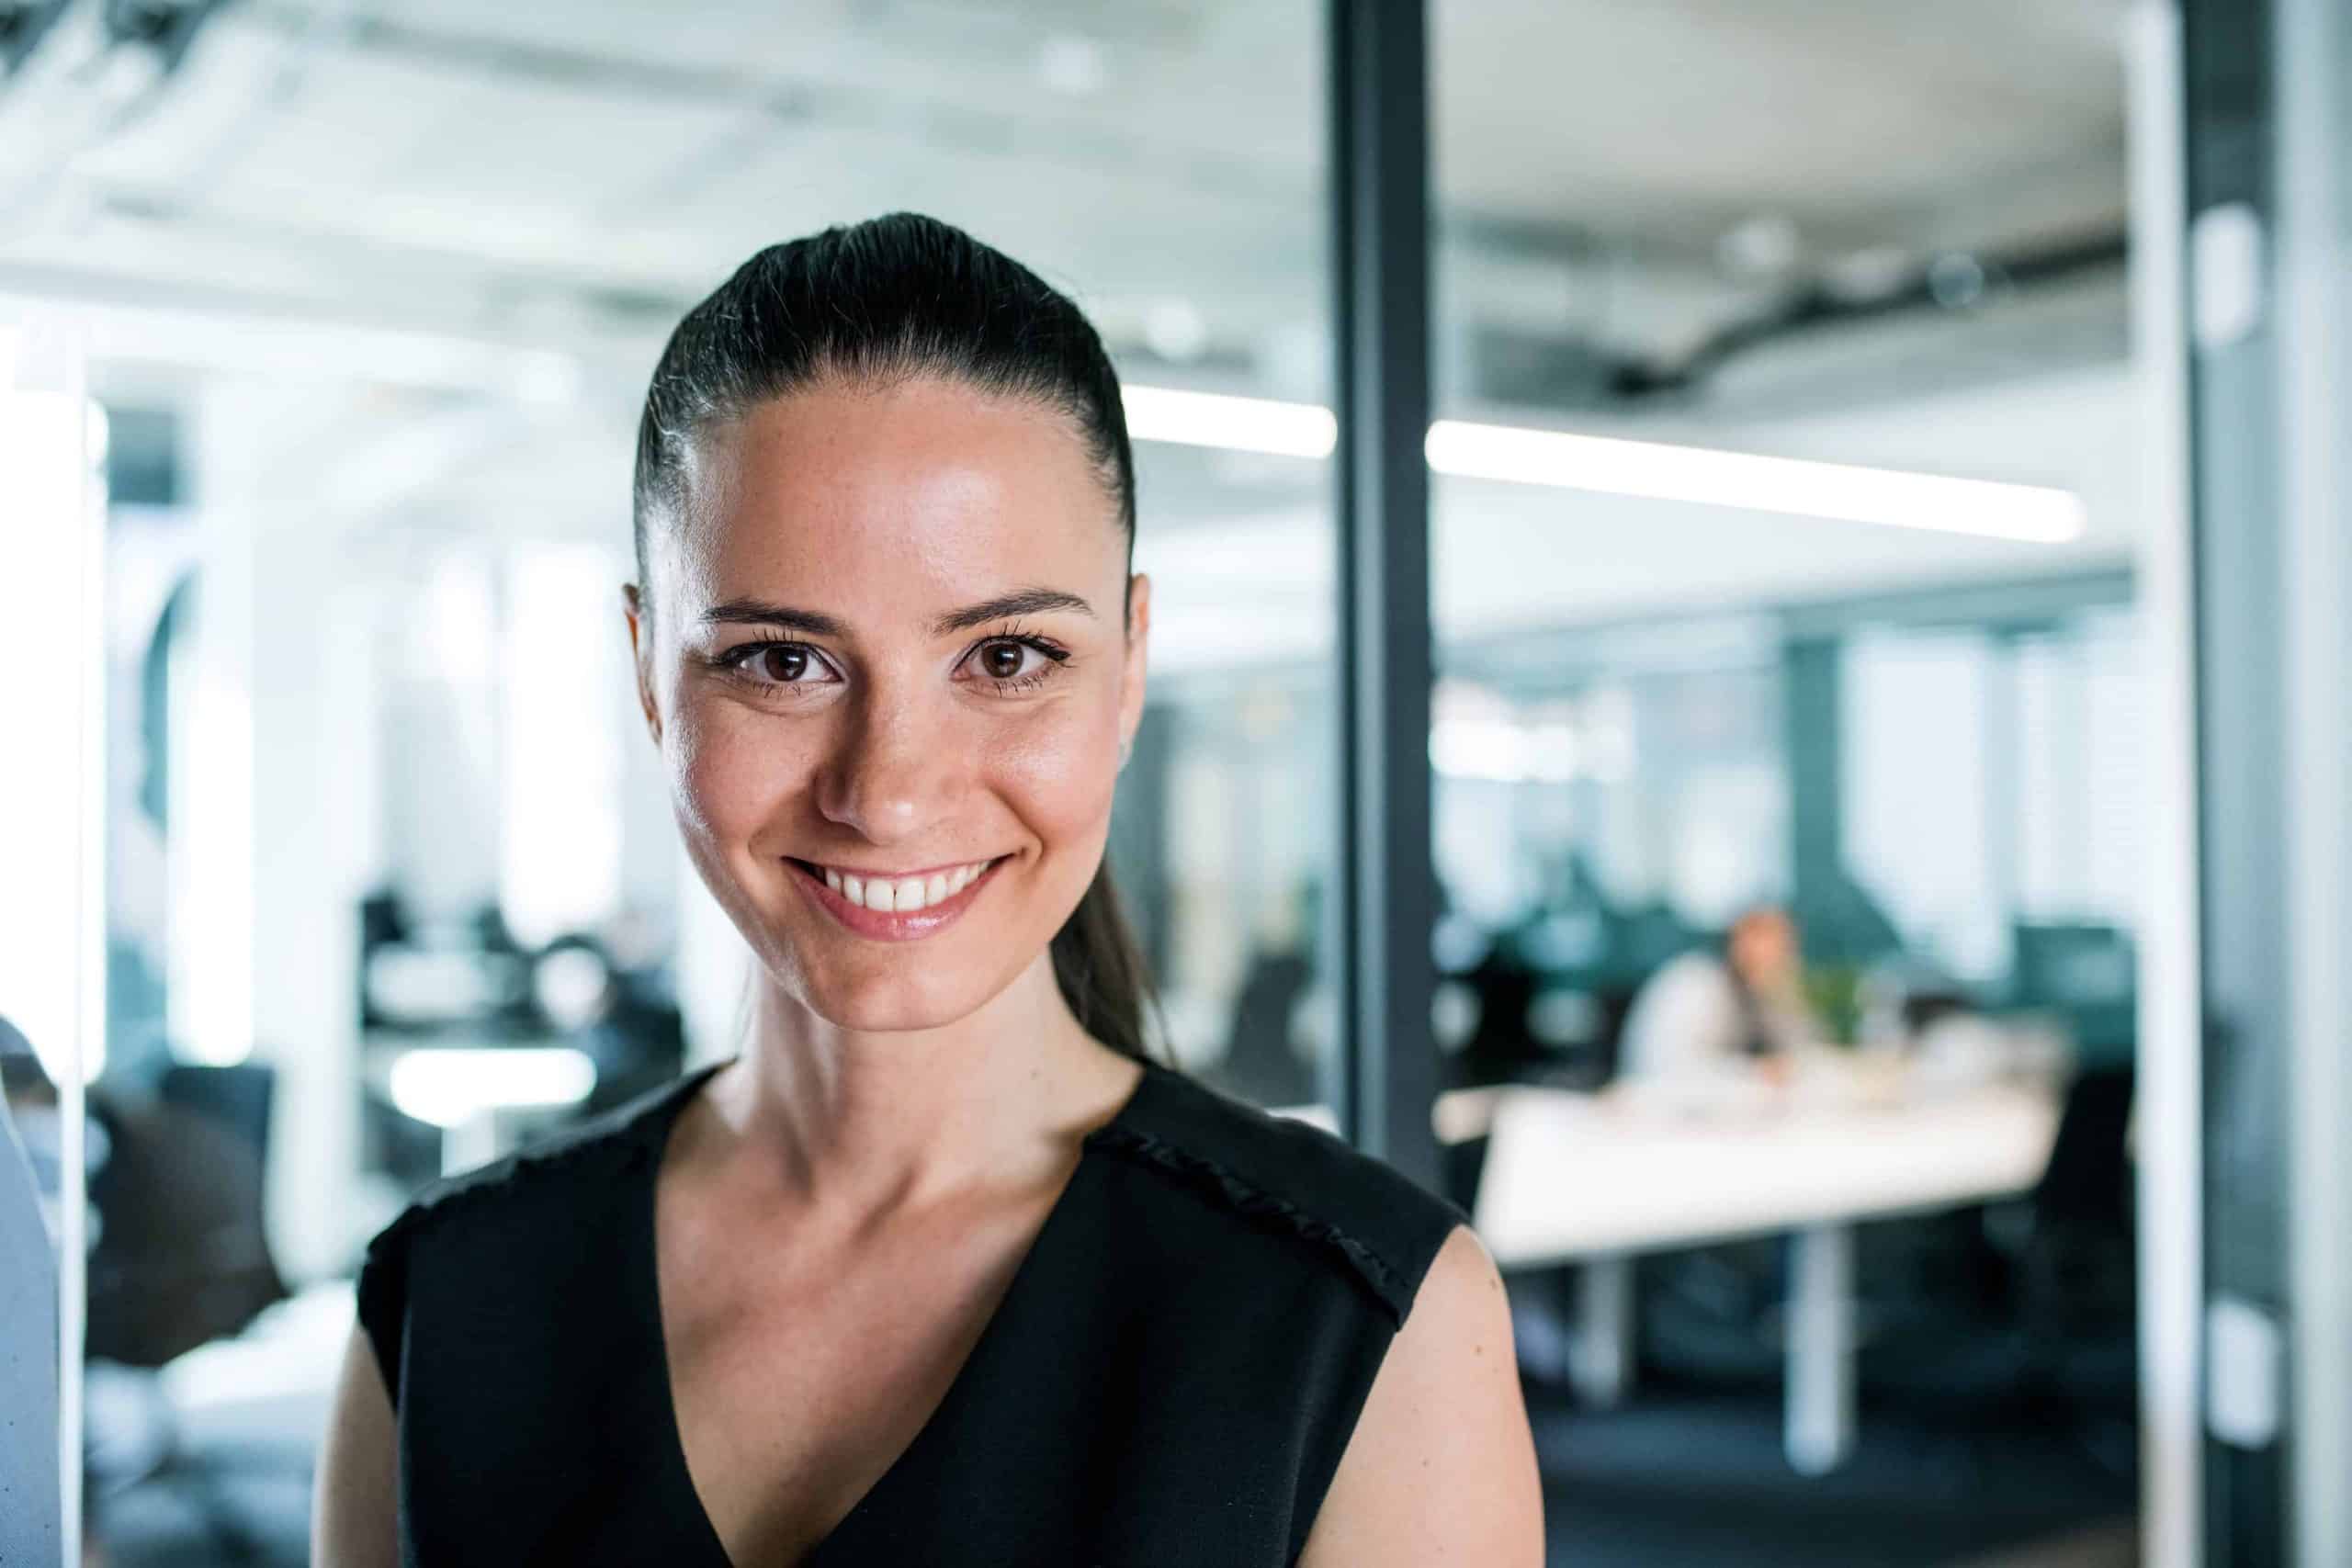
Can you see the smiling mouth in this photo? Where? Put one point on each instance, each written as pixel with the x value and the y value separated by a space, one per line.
pixel 945 895
pixel 898 895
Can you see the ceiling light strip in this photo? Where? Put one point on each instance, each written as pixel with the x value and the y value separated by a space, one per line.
pixel 1652 470
pixel 1235 424
pixel 1656 470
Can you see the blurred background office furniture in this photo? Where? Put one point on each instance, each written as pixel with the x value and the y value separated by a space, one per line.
pixel 2078 1297
pixel 181 1255
pixel 471 1092
pixel 1260 1062
pixel 1743 1166
pixel 2084 972
pixel 481 1040
pixel 181 1261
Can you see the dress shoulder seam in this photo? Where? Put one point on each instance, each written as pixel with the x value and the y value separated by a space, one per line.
pixel 1237 1192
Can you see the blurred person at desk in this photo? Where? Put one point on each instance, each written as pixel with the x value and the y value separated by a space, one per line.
pixel 1711 1010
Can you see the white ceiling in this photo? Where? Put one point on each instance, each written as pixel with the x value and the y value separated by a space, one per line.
pixel 464 228
pixel 509 165
pixel 1867 122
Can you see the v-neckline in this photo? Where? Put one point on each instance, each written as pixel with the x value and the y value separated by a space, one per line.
pixel 647 1271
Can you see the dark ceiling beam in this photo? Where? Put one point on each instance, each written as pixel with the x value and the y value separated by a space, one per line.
pixel 1952 280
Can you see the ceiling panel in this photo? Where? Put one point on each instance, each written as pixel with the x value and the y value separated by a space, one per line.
pixel 1859 119
pixel 543 172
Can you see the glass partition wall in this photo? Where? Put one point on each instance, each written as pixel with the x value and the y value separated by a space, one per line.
pixel 1780 542
pixel 52 869
pixel 393 882
pixel 1785 512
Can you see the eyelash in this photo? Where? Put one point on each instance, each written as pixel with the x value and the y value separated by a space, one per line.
pixel 735 660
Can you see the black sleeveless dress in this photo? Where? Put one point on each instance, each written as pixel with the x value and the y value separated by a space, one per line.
pixel 1169 1381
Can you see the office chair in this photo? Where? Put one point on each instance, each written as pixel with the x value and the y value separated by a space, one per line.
pixel 182 1259
pixel 2076 1290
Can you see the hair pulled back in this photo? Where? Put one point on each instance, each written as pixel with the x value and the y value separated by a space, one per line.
pixel 895 297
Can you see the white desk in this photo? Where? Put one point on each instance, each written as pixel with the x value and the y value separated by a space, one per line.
pixel 462 1089
pixel 1597 1179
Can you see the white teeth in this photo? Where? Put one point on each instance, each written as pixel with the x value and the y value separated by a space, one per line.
pixel 902 895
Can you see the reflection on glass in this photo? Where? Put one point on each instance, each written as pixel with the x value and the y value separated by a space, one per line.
pixel 1785 503
pixel 373 308
pixel 53 443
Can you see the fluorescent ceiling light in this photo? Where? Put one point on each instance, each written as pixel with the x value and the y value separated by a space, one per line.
pixel 1656 470
pixel 1236 424
pixel 1614 465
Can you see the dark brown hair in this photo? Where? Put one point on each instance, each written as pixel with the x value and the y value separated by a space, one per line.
pixel 895 296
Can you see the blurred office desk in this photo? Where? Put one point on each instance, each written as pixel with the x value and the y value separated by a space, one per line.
pixel 1596 1179
pixel 267 1390
pixel 463 1088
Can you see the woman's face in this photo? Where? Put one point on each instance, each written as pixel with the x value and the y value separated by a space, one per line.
pixel 884 641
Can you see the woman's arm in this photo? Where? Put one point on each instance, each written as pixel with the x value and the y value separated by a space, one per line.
pixel 1442 1465
pixel 353 1511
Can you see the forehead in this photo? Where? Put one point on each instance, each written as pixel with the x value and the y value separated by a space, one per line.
pixel 915 485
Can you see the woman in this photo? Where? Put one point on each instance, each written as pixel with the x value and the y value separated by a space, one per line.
pixel 941 1268
pixel 1709 1014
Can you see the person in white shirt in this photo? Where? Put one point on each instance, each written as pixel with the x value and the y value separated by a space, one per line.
pixel 1708 1012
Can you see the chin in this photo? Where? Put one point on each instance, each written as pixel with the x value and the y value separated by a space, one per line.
pixel 880 1015
pixel 887 1004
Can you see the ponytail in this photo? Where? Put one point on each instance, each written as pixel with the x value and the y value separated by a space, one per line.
pixel 1101 969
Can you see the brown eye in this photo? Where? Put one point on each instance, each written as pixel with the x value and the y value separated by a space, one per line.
pixel 775 664
pixel 1001 660
pixel 782 663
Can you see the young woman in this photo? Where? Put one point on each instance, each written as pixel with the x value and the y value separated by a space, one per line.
pixel 941 1268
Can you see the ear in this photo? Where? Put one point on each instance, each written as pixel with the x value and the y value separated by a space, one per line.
pixel 1131 676
pixel 640 648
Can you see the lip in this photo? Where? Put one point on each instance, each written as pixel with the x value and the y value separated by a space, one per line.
pixel 890 925
pixel 867 875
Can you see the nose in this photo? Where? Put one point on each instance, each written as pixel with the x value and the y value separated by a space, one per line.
pixel 895 773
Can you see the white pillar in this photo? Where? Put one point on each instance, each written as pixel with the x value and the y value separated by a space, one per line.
pixel 53 862
pixel 2169 1088
pixel 273 824
pixel 314 811
pixel 2315 251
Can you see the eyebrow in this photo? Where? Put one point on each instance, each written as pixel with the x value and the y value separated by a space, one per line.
pixel 1019 602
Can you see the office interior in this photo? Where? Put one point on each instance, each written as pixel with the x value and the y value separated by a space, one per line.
pixel 1824 424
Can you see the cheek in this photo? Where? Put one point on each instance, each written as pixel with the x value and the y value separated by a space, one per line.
pixel 1061 772
pixel 728 771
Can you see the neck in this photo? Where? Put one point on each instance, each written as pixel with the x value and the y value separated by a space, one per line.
pixel 871 1123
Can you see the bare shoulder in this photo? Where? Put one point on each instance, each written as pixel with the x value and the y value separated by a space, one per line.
pixel 1442 1465
pixel 353 1519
